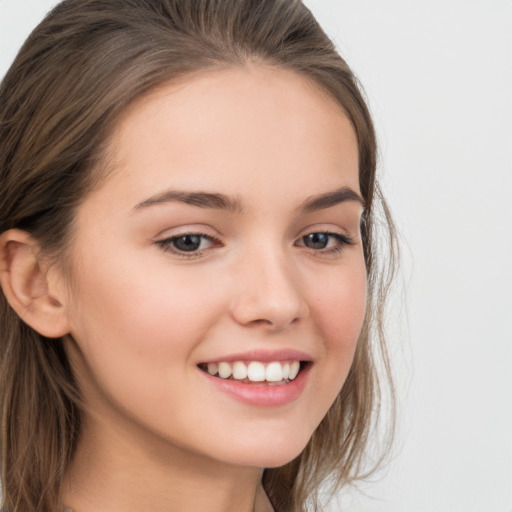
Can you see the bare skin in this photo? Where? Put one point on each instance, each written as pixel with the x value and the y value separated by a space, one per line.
pixel 129 477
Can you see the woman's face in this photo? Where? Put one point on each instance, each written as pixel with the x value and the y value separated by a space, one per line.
pixel 227 232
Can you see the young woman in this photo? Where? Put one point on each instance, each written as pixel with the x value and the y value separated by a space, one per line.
pixel 191 306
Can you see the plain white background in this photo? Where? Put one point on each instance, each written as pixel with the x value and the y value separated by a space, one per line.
pixel 438 78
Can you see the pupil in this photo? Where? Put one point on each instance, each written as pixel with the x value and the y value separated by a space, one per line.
pixel 187 243
pixel 316 240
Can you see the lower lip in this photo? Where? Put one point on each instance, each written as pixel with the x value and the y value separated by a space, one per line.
pixel 262 395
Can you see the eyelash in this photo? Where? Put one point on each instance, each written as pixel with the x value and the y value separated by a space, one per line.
pixel 167 245
pixel 343 241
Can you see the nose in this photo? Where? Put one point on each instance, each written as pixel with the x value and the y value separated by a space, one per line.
pixel 268 293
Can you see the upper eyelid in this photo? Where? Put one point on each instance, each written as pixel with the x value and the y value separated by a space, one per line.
pixel 328 231
pixel 335 226
pixel 177 231
pixel 193 232
pixel 186 233
pixel 170 238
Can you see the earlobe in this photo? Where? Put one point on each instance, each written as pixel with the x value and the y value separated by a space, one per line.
pixel 26 285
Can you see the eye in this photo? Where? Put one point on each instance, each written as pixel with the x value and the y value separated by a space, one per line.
pixel 189 244
pixel 316 240
pixel 326 242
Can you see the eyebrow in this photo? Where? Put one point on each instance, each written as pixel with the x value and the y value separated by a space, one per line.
pixel 222 202
pixel 200 199
pixel 329 199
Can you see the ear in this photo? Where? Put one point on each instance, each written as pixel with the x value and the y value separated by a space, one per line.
pixel 29 287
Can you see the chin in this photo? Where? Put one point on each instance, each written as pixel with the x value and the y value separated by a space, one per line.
pixel 275 451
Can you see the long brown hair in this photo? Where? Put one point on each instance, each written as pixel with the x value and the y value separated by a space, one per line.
pixel 76 73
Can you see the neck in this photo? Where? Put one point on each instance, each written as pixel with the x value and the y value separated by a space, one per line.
pixel 122 471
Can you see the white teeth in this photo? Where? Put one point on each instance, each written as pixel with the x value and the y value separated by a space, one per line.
pixel 256 372
pixel 213 368
pixel 294 370
pixel 224 370
pixel 239 371
pixel 274 373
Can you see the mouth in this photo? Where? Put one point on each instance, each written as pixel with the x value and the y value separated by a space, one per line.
pixel 271 373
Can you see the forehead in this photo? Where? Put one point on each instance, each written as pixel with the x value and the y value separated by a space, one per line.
pixel 232 128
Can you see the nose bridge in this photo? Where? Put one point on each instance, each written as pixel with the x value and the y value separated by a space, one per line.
pixel 268 288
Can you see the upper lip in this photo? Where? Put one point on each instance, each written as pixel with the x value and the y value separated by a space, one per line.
pixel 263 356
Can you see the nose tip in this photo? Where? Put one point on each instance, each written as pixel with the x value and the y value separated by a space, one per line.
pixel 269 297
pixel 276 316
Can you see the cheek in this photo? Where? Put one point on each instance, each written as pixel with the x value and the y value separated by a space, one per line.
pixel 340 303
pixel 339 310
pixel 137 332
pixel 146 308
pixel 141 326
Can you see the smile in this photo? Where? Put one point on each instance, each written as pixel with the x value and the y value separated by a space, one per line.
pixel 259 383
pixel 272 372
